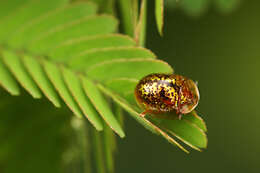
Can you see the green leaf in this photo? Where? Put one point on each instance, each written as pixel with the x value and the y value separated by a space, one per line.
pixel 8 7
pixel 15 65
pixel 77 91
pixel 28 12
pixel 147 124
pixel 187 132
pixel 86 26
pixel 101 106
pixel 140 30
pixel 88 59
pixel 46 22
pixel 106 6
pixel 123 103
pixel 74 47
pixel 55 77
pixel 159 14
pixel 127 68
pixel 125 7
pixel 195 119
pixel 122 85
pixel 7 80
pixel 39 76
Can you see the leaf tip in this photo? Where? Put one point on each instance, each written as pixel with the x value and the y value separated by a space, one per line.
pixel 56 104
pixel 121 134
pixel 12 91
pixel 36 95
pixel 159 14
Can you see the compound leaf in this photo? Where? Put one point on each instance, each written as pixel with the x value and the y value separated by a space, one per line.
pixel 66 49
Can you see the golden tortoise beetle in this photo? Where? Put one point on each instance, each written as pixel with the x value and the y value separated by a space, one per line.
pixel 162 93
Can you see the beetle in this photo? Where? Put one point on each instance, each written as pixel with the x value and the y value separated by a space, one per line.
pixel 161 93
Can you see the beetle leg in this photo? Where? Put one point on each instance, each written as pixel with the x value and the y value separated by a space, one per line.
pixel 143 113
pixel 179 105
pixel 179 114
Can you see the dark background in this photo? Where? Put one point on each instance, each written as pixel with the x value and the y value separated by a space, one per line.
pixel 221 52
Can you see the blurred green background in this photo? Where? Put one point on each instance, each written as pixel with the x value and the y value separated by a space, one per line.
pixel 221 52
